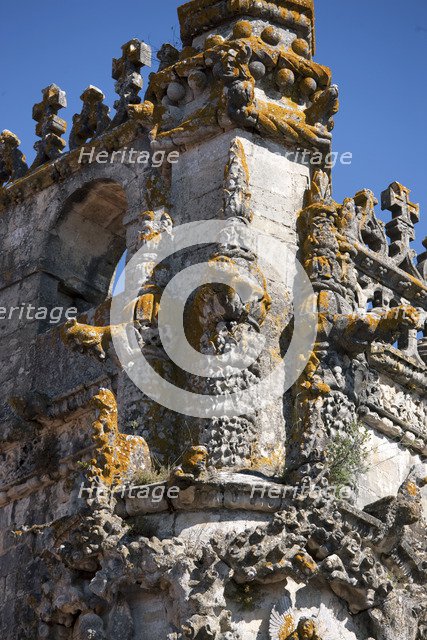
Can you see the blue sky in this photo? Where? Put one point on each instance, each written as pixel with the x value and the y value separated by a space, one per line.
pixel 377 50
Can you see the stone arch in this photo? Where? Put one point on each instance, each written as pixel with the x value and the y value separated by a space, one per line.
pixel 85 243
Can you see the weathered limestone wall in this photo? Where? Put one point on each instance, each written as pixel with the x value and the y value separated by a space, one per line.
pixel 219 561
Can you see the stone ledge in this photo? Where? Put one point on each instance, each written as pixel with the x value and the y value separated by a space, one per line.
pixel 66 165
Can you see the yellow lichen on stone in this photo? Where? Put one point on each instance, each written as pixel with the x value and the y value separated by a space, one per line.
pixel 117 456
pixel 86 337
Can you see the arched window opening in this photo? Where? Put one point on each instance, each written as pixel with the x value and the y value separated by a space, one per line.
pixel 86 244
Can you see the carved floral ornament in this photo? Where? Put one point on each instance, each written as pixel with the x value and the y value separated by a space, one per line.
pixel 289 623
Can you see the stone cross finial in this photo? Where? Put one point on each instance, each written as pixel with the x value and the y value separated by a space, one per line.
pixel 49 126
pixel 12 160
pixel 126 72
pixel 400 229
pixel 93 118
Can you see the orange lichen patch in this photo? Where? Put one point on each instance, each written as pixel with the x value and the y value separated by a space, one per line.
pixel 86 337
pixel 322 388
pixel 144 111
pixel 272 463
pixel 242 29
pixel 282 122
pixel 237 152
pixel 305 563
pixel 287 627
pixel 115 453
pixel 148 305
pixel 147 114
pixel 194 457
pixel 410 488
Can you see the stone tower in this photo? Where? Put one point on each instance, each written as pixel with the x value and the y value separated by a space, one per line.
pixel 301 516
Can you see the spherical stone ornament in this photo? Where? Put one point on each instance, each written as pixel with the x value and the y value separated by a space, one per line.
pixel 242 29
pixel 308 86
pixel 197 81
pixel 175 91
pixel 301 47
pixel 270 35
pixel 285 79
pixel 257 70
pixel 213 41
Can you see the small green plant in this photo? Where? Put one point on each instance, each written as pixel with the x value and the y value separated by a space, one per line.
pixel 152 476
pixel 347 455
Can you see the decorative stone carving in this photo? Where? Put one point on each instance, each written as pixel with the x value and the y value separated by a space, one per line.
pixel 84 337
pixel 393 409
pixel 306 630
pixel 50 127
pixel 285 625
pixel 397 512
pixel 193 464
pixel 126 72
pixel 12 160
pixel 237 195
pixel 371 229
pixel 231 70
pixel 118 565
pixel 167 55
pixel 197 17
pixel 118 457
pixel 93 119
pixel 400 229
